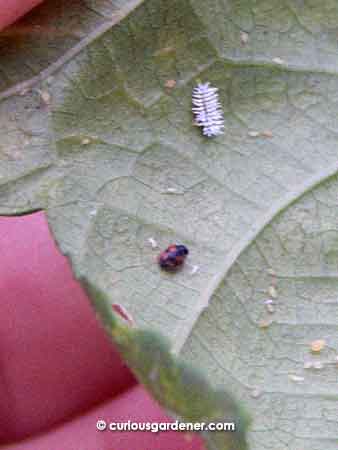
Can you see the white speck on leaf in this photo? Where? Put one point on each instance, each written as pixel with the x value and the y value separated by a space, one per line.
pixel 296 378
pixel 85 141
pixel 45 96
pixel 269 305
pixel 278 61
pixel 272 292
pixel 152 242
pixel 172 191
pixel 253 133
pixel 255 393
pixel 194 270
pixel 244 37
pixel 208 110
pixel 193 267
pixel 270 308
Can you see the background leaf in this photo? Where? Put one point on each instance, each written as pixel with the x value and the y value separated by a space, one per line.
pixel 115 160
pixel 51 34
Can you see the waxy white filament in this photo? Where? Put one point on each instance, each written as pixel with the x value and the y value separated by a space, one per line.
pixel 207 109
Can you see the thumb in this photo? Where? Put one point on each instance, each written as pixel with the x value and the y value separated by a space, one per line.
pixel 11 10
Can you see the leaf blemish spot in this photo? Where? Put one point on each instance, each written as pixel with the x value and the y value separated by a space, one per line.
pixel 272 291
pixel 164 51
pixel 265 323
pixel 318 345
pixel 45 96
pixel 170 84
pixel 267 134
pixel 122 312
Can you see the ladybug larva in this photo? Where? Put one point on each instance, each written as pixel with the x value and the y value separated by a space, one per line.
pixel 173 257
pixel 208 110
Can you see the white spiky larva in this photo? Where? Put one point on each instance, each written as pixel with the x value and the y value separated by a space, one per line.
pixel 207 109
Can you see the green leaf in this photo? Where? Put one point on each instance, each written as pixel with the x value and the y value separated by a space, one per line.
pixel 179 388
pixel 115 161
pixel 291 259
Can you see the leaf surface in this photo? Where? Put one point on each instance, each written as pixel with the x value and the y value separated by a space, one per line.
pixel 115 160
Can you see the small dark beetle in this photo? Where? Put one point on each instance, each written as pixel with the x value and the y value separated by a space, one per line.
pixel 173 257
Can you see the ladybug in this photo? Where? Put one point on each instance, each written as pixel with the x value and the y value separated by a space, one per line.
pixel 173 257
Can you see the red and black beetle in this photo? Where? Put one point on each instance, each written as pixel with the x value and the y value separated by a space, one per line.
pixel 173 257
